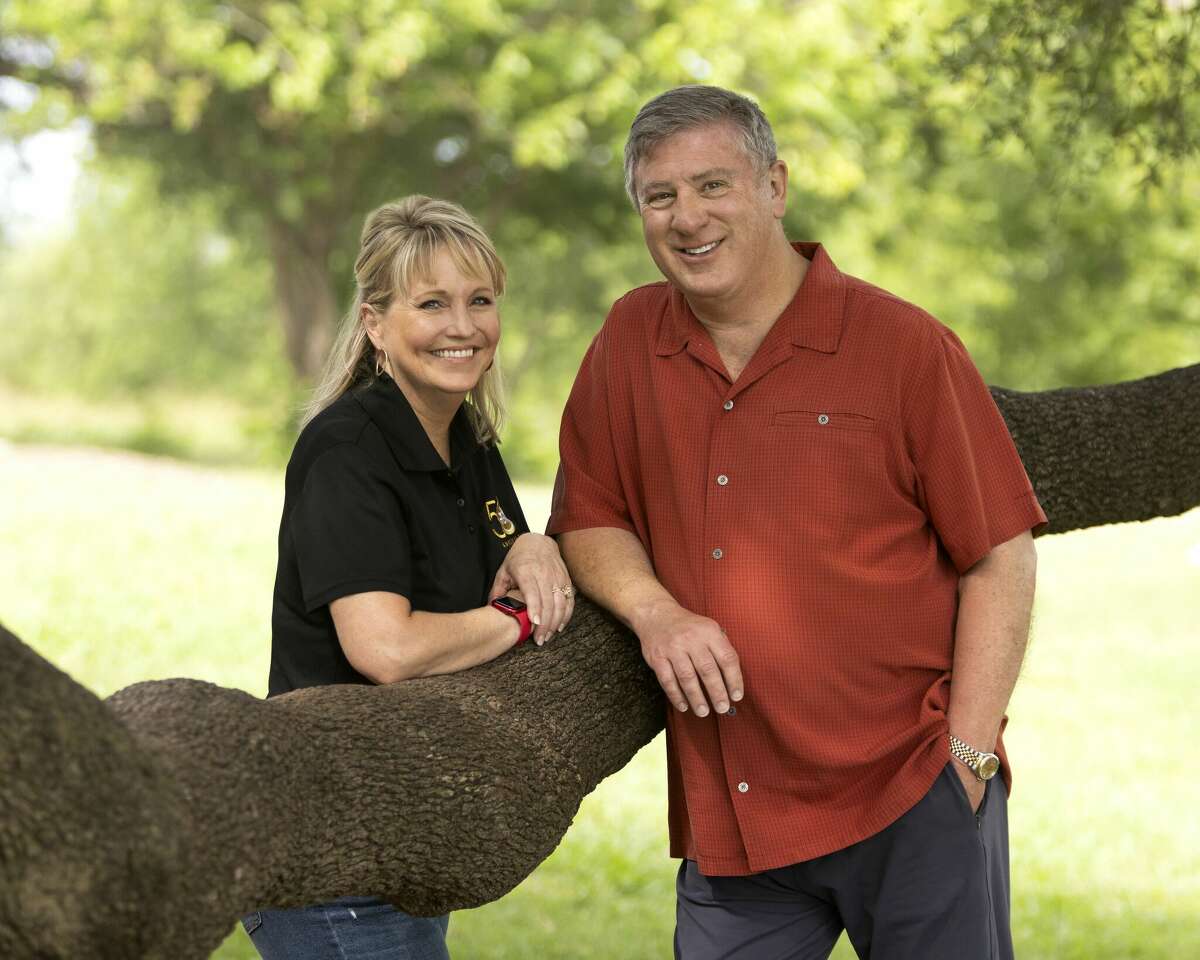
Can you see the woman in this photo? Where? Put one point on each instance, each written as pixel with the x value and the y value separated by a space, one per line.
pixel 402 542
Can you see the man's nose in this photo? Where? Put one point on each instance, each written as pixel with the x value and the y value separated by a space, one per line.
pixel 687 213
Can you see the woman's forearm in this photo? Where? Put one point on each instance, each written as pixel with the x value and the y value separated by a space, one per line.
pixel 448 642
pixel 386 640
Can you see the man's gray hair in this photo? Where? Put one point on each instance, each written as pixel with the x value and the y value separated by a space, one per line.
pixel 690 106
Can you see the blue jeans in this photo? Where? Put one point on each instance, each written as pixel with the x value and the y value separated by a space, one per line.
pixel 352 928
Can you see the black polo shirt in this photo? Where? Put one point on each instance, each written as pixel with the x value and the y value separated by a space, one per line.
pixel 370 505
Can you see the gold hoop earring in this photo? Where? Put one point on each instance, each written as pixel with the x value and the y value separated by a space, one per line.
pixel 380 365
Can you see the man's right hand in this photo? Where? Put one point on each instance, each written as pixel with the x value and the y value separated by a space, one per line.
pixel 692 658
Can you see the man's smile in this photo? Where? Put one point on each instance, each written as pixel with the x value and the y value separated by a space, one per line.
pixel 700 250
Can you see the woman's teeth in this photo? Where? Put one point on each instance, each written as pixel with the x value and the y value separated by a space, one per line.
pixel 455 354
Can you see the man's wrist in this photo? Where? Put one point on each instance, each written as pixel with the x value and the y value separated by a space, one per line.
pixel 645 614
pixel 984 764
pixel 981 732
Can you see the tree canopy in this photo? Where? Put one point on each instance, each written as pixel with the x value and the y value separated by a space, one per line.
pixel 1026 171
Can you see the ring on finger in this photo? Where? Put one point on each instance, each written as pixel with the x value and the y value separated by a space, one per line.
pixel 567 591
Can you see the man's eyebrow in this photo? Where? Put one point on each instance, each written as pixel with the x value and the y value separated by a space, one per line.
pixel 656 185
pixel 724 173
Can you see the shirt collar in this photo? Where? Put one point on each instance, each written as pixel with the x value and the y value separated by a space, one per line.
pixel 813 319
pixel 389 409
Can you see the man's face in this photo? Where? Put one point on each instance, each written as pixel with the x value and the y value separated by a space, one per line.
pixel 709 214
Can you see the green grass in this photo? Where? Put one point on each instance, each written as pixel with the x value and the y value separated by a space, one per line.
pixel 213 430
pixel 123 567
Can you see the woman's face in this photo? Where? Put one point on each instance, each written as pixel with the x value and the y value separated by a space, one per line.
pixel 439 336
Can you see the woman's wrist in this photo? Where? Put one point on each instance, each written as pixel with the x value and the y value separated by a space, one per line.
pixel 516 627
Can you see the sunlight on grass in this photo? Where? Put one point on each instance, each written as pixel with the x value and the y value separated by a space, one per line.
pixel 121 568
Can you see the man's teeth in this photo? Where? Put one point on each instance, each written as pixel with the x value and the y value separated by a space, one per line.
pixel 455 354
pixel 703 249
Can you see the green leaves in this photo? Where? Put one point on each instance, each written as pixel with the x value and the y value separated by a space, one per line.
pixel 1023 168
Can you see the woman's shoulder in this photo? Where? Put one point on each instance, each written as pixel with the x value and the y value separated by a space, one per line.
pixel 341 430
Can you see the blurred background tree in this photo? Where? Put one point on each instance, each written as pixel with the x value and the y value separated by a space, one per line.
pixel 1024 170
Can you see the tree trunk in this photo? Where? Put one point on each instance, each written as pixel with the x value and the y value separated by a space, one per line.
pixel 304 294
pixel 192 804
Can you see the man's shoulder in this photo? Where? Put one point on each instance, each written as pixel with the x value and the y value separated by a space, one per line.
pixel 885 318
pixel 650 299
pixel 635 320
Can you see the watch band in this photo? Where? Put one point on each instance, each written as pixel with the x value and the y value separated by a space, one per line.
pixel 512 607
pixel 983 765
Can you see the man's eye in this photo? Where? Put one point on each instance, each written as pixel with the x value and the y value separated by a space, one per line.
pixel 714 185
pixel 658 199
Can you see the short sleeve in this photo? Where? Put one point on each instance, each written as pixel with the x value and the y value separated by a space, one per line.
pixel 971 482
pixel 349 531
pixel 588 489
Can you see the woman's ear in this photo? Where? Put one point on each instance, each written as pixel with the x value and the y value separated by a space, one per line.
pixel 370 318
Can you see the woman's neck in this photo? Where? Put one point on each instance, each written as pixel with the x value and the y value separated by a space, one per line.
pixel 435 415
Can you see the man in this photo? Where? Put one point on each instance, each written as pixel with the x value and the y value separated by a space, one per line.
pixel 796 490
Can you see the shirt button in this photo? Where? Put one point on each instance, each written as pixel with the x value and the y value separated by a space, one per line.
pixel 728 405
pixel 823 419
pixel 462 502
pixel 732 711
pixel 722 480
pixel 743 787
pixel 718 553
pixel 470 528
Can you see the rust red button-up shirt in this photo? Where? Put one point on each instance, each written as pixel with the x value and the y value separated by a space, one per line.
pixel 820 508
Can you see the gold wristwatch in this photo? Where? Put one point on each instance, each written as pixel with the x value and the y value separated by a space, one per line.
pixel 983 765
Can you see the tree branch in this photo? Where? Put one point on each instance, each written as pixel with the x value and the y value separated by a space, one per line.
pixel 1110 454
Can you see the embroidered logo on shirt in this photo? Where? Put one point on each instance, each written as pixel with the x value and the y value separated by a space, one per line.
pixel 502 527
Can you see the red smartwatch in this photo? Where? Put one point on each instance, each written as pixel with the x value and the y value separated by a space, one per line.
pixel 516 609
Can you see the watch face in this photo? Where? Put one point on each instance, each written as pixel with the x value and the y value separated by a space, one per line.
pixel 988 766
pixel 509 603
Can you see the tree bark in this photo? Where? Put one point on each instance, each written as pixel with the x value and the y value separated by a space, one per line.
pixel 304 295
pixel 190 804
pixel 1110 454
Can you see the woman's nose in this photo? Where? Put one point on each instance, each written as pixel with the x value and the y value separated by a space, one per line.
pixel 461 322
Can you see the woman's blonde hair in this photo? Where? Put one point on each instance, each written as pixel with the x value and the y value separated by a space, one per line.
pixel 399 242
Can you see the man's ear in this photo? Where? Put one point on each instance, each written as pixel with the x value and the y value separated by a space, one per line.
pixel 777 178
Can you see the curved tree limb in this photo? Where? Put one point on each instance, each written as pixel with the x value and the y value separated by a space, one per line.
pixel 438 793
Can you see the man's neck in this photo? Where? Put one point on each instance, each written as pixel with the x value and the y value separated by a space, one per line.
pixel 739 326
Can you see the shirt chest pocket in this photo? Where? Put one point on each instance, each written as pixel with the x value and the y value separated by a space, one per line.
pixel 831 465
pixel 826 421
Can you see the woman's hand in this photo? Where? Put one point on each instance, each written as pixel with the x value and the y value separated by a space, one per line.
pixel 535 568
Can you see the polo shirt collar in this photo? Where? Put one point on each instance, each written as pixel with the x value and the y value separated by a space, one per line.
pixel 813 319
pixel 389 409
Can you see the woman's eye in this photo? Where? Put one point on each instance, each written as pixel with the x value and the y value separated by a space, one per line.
pixel 430 304
pixel 482 301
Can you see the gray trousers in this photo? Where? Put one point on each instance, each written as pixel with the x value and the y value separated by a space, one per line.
pixel 931 886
